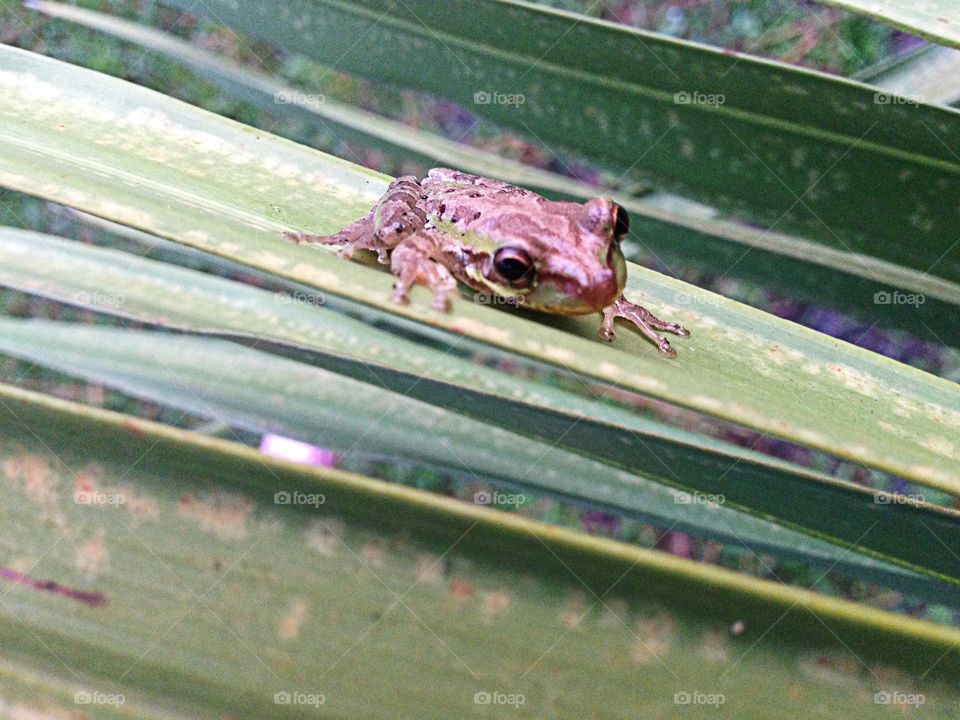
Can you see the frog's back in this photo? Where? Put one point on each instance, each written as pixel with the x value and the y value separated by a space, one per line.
pixel 454 196
pixel 445 181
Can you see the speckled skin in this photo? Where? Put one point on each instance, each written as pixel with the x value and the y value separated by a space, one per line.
pixel 449 226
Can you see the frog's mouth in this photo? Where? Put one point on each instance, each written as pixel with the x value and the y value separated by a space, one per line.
pixel 571 298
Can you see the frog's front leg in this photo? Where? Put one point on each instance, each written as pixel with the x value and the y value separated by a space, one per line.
pixel 395 216
pixel 645 320
pixel 418 260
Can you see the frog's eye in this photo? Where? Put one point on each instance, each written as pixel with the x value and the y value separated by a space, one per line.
pixel 514 266
pixel 621 223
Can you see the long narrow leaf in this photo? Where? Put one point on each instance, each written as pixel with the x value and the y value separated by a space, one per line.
pixel 123 285
pixel 204 598
pixel 780 145
pixel 936 20
pixel 265 393
pixel 679 240
pixel 139 158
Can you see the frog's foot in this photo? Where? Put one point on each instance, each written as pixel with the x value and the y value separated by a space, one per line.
pixel 646 321
pixel 412 264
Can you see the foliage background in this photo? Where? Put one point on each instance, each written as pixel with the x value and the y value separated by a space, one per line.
pixel 802 33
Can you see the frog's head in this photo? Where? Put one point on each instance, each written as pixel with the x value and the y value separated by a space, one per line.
pixel 564 259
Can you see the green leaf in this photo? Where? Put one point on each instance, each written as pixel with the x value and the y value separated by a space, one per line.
pixel 931 73
pixel 260 392
pixel 788 148
pixel 139 158
pixel 671 235
pixel 935 20
pixel 127 286
pixel 210 598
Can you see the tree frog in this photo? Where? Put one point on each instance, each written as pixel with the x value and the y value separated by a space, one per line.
pixel 554 257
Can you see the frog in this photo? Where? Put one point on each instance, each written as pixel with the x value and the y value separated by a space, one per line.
pixel 510 243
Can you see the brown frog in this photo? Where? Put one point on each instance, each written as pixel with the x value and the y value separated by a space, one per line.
pixel 555 257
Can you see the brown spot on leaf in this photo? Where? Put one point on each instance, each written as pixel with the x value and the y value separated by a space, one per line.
pixel 494 604
pixel 224 515
pixel 48 712
pixel 714 646
pixel 292 621
pixel 324 535
pixel 654 637
pixel 430 569
pixel 460 590
pixel 575 608
pixel 375 553
pixel 92 558
pixel 35 474
pixel 833 668
pixel 134 428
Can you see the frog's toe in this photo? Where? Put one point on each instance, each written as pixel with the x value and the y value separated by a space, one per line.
pixel 655 322
pixel 663 345
pixel 443 285
pixel 441 301
pixel 400 293
pixel 442 289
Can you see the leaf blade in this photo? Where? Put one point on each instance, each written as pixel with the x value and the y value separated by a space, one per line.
pixel 238 215
pixel 777 156
pixel 210 673
pixel 148 291
pixel 678 240
pixel 935 20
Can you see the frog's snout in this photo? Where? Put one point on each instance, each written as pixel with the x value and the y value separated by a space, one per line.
pixel 601 290
pixel 590 292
